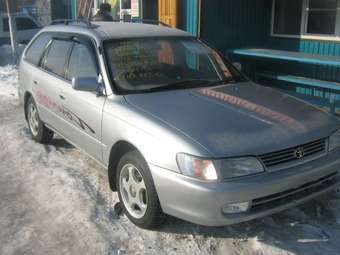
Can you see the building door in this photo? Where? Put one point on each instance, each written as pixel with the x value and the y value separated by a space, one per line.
pixel 167 12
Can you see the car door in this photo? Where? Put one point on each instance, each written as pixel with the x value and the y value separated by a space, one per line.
pixel 49 80
pixel 84 109
pixel 32 75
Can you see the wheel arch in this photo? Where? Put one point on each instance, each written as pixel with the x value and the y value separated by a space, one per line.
pixel 117 151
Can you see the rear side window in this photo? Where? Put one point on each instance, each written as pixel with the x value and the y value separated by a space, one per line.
pixel 82 63
pixel 35 51
pixel 55 61
pixel 25 24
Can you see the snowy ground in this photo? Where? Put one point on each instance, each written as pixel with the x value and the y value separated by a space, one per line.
pixel 56 200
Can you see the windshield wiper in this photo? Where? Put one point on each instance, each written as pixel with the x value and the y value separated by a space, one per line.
pixel 220 82
pixel 184 84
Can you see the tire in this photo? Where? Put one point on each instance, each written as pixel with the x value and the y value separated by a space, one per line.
pixel 38 131
pixel 150 217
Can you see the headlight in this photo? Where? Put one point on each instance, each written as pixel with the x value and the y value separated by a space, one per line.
pixel 212 170
pixel 237 167
pixel 334 141
pixel 196 167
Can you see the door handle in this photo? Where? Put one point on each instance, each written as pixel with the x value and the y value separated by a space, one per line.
pixel 62 97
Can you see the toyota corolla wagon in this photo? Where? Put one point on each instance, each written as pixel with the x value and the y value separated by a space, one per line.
pixel 179 129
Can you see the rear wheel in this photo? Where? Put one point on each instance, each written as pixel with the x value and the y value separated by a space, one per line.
pixel 137 192
pixel 38 131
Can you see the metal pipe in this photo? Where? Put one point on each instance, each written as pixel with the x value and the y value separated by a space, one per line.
pixel 12 31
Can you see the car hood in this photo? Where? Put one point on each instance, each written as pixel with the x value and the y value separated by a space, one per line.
pixel 238 119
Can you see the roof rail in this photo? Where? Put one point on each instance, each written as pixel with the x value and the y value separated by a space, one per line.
pixel 150 21
pixel 88 23
pixel 84 21
pixel 146 21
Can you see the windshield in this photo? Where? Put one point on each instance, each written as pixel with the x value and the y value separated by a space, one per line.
pixel 141 65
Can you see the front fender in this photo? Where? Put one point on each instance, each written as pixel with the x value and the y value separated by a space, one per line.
pixel 157 142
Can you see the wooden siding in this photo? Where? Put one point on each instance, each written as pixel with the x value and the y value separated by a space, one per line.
pixel 229 24
pixel 328 48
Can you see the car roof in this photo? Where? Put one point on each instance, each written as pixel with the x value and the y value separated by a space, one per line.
pixel 117 30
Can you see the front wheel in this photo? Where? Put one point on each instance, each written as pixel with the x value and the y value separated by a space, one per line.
pixel 38 131
pixel 137 192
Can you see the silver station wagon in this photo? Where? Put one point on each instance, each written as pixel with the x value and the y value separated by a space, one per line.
pixel 180 130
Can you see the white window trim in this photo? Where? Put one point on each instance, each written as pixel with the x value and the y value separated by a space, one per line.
pixel 303 29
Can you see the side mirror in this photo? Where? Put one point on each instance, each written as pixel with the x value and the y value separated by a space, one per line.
pixel 86 84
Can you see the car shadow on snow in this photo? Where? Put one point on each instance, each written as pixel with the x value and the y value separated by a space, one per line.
pixel 61 143
pixel 312 228
pixel 58 142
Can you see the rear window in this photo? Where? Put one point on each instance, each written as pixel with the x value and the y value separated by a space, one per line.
pixel 25 24
pixel 56 58
pixel 21 24
pixel 35 51
pixel 5 24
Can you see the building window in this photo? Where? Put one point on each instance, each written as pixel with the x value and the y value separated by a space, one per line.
pixel 322 17
pixel 306 18
pixel 287 19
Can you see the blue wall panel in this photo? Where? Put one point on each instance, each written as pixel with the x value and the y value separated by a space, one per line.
pixel 229 24
pixel 190 16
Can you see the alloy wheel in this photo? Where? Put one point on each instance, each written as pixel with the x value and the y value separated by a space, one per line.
pixel 33 119
pixel 133 191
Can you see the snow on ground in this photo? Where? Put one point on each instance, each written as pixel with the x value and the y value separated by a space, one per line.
pixel 8 71
pixel 56 200
pixel 8 79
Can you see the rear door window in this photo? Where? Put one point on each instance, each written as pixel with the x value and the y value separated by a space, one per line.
pixel 56 58
pixel 35 51
pixel 82 63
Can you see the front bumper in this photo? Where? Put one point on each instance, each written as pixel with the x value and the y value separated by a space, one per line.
pixel 201 202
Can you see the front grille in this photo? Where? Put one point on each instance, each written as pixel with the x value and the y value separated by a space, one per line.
pixel 294 194
pixel 298 153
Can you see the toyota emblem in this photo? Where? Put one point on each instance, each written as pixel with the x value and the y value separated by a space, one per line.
pixel 299 153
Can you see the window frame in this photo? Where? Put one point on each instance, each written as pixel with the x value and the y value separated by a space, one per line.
pixel 304 25
pixel 46 53
pixel 43 51
pixel 90 43
pixel 87 43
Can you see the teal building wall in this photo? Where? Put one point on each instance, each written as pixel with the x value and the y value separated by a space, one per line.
pixel 190 16
pixel 231 24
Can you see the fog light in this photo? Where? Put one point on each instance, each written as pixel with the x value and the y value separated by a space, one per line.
pixel 236 208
